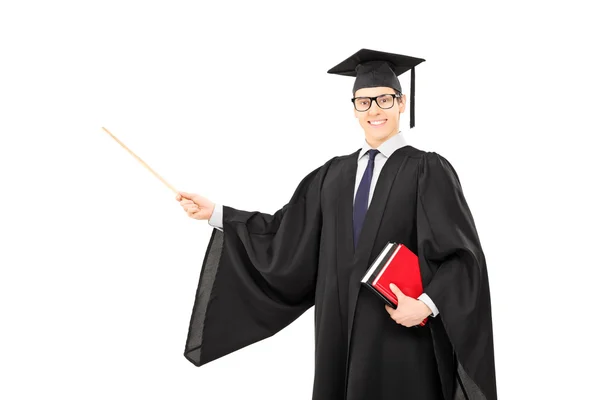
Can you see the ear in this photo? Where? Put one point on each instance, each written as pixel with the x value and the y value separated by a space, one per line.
pixel 402 103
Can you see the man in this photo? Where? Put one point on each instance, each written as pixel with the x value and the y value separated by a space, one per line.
pixel 262 271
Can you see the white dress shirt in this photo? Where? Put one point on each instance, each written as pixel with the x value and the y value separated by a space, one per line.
pixel 385 151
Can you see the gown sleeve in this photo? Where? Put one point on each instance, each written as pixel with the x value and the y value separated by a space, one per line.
pixel 258 274
pixel 448 244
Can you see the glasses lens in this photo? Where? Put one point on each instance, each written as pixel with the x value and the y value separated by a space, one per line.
pixel 362 103
pixel 385 101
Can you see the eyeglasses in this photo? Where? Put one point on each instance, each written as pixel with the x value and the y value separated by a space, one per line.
pixel 383 101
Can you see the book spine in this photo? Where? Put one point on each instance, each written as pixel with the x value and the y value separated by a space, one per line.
pixel 387 263
pixel 387 293
pixel 382 265
pixel 379 262
pixel 380 295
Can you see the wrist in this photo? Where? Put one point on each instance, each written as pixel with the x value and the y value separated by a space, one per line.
pixel 426 308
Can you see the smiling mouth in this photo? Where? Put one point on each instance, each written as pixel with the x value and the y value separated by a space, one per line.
pixel 378 122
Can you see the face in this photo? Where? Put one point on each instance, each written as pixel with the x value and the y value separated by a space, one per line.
pixel 379 124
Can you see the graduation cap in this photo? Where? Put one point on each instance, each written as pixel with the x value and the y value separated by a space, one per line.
pixel 374 68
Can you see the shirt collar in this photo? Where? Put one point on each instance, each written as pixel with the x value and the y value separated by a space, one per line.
pixel 386 148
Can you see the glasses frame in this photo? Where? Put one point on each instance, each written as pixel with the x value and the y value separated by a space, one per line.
pixel 394 96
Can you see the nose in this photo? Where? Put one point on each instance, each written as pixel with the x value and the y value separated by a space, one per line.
pixel 374 109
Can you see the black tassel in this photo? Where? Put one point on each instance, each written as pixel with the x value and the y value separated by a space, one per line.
pixel 412 97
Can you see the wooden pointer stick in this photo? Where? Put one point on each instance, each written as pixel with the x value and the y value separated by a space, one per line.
pixel 141 161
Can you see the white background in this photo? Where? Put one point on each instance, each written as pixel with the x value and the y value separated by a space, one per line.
pixel 99 264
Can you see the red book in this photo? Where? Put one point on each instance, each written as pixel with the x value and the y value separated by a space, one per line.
pixel 395 264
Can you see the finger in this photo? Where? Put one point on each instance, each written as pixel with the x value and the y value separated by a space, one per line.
pixel 197 215
pixel 389 309
pixel 185 194
pixel 396 291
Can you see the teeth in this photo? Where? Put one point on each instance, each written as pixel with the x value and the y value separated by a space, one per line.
pixel 377 122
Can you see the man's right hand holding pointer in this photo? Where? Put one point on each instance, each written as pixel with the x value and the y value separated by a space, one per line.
pixel 195 206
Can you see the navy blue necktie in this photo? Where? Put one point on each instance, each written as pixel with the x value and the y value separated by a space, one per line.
pixel 361 201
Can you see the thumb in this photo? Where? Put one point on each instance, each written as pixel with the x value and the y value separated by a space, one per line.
pixel 399 294
pixel 186 195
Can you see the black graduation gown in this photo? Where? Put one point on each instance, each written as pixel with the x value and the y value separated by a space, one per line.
pixel 263 271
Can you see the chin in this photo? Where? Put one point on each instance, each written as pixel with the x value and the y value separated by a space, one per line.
pixel 379 134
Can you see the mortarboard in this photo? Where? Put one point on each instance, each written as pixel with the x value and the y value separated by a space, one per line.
pixel 374 68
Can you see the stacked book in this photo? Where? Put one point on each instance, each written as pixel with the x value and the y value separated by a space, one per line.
pixel 395 264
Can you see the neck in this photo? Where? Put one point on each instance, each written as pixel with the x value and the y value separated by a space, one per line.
pixel 375 142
